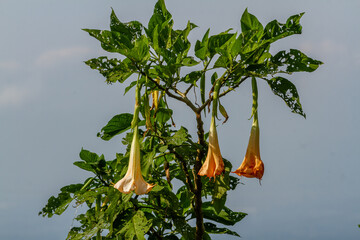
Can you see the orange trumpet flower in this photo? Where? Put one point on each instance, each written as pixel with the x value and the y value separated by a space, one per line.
pixel 213 164
pixel 133 179
pixel 252 166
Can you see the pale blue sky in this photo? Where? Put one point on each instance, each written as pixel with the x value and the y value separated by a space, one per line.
pixel 52 104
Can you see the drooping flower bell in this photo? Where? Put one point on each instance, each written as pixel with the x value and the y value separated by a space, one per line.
pixel 213 164
pixel 252 166
pixel 155 97
pixel 133 179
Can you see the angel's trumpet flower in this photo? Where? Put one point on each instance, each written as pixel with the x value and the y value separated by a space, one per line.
pixel 213 164
pixel 155 97
pixel 252 166
pixel 133 179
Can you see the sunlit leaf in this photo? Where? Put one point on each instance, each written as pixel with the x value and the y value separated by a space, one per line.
pixel 213 229
pixel 226 216
pixel 136 226
pixel 295 61
pixel 250 22
pixel 275 30
pixel 287 91
pixel 118 124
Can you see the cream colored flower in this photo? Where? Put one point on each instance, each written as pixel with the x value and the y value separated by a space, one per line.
pixel 133 179
pixel 213 164
pixel 155 97
pixel 252 166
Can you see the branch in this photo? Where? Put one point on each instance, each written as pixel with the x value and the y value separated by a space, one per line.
pixel 181 98
pixel 233 88
pixel 204 70
pixel 200 230
pixel 184 167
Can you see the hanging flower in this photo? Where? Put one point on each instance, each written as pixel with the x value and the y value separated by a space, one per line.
pixel 252 166
pixel 213 164
pixel 155 97
pixel 133 179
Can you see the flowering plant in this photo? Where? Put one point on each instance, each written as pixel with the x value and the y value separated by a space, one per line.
pixel 136 195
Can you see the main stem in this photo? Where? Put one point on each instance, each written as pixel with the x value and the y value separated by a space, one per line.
pixel 198 185
pixel 97 209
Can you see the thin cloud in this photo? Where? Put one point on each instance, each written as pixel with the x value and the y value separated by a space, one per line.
pixel 13 96
pixel 9 65
pixel 325 47
pixel 53 56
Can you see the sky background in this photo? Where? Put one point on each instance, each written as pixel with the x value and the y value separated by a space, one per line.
pixel 52 105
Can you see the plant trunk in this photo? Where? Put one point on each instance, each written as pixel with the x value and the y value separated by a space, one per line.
pixel 198 185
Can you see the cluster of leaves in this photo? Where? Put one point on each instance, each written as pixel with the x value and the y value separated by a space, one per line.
pixel 156 54
pixel 161 213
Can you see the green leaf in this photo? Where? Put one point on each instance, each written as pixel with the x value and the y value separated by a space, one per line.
pixel 147 161
pixel 226 216
pixel 201 48
pixel 136 225
pixel 219 203
pixel 88 156
pixel 131 30
pixel 160 9
pixel 132 84
pixel 179 137
pixel 275 30
pixel 214 77
pixel 118 124
pixel 155 39
pixel 296 61
pixel 184 196
pixel 112 41
pixel 223 112
pixel 184 228
pixel 287 91
pixel 163 115
pixel 189 61
pixel 213 229
pixel 85 166
pixel 216 42
pixel 222 62
pixel 112 69
pixel 192 77
pixel 140 51
pixel 160 15
pixel 57 205
pixel 250 22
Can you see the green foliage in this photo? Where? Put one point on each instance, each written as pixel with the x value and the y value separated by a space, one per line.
pixel 158 55
pixel 115 126
pixel 287 91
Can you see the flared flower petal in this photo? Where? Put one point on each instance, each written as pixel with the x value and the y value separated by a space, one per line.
pixel 213 164
pixel 252 166
pixel 133 179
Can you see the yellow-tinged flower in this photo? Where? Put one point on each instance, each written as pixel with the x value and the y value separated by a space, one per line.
pixel 133 179
pixel 155 96
pixel 213 164
pixel 252 166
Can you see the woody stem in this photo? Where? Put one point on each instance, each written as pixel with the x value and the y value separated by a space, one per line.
pixel 198 185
